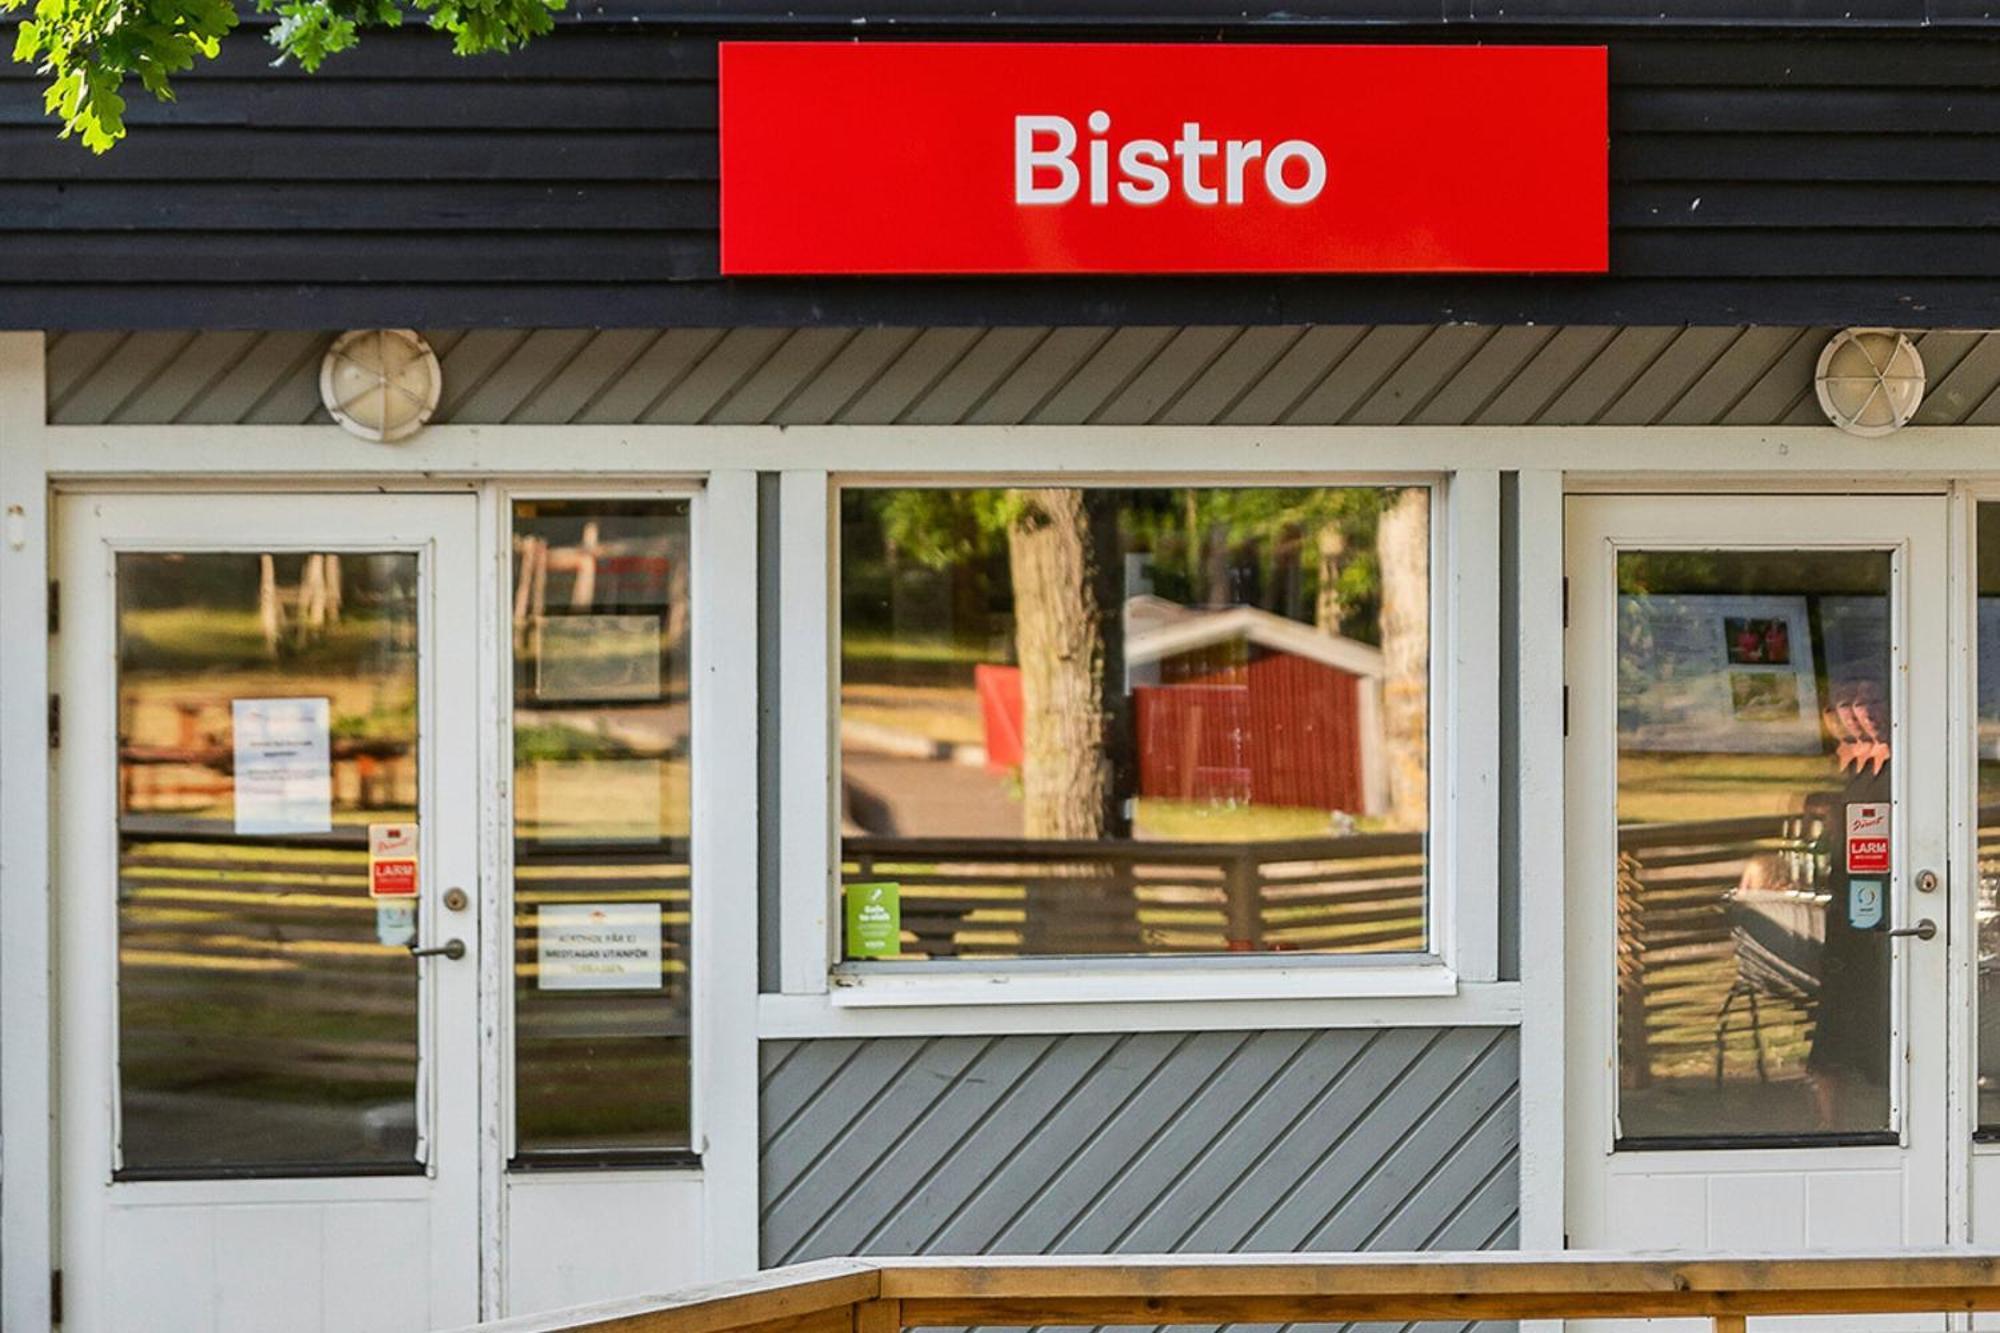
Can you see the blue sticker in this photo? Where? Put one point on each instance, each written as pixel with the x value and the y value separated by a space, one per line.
pixel 396 923
pixel 1864 902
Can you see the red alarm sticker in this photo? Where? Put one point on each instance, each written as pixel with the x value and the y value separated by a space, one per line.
pixel 1868 838
pixel 392 860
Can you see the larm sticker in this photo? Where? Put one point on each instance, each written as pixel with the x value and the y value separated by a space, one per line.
pixel 1868 838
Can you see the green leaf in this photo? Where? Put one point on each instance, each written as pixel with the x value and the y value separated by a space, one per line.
pixel 88 49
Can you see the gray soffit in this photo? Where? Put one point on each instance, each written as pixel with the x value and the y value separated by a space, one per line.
pixel 1394 1139
pixel 1437 375
pixel 1194 375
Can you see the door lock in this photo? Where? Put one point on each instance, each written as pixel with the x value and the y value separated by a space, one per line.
pixel 1927 881
pixel 455 950
pixel 1925 929
pixel 455 900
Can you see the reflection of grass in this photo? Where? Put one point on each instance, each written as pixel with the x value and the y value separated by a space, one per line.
pixel 1201 821
pixel 538 741
pixel 1659 788
pixel 605 798
pixel 862 645
pixel 207 639
pixel 938 713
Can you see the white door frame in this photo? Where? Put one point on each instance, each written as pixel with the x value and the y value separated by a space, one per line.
pixel 723 816
pixel 440 530
pixel 1915 529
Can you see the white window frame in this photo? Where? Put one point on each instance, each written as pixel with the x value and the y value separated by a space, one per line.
pixel 1463 881
pixel 722 593
pixel 499 992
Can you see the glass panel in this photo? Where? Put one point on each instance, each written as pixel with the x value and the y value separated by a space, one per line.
pixel 1753 967
pixel 1159 721
pixel 1989 819
pixel 601 900
pixel 267 714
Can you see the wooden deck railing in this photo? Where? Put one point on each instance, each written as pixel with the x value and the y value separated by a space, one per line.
pixel 888 1295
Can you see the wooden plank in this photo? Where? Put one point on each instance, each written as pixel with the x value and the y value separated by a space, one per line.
pixel 1833 154
pixel 805 1298
pixel 1909 109
pixel 878 1317
pixel 328 153
pixel 236 205
pixel 399 103
pixel 1825 1281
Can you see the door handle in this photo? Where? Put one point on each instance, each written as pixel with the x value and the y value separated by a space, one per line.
pixel 455 950
pixel 1925 929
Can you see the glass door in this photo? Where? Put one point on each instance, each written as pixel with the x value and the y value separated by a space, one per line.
pixel 1757 830
pixel 268 961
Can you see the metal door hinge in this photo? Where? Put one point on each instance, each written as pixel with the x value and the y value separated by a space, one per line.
pixel 1565 601
pixel 55 721
pixel 55 1296
pixel 55 606
pixel 1565 710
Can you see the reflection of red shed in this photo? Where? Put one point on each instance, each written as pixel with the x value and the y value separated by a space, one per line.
pixel 1242 705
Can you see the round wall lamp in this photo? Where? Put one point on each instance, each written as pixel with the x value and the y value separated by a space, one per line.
pixel 1869 381
pixel 380 384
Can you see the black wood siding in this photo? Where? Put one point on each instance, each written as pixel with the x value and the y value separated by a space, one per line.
pixel 1824 173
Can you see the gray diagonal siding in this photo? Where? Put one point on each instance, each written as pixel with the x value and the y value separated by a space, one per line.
pixel 1451 374
pixel 1393 1139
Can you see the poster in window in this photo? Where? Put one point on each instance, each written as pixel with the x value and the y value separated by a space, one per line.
pixel 1716 674
pixel 586 659
pixel 598 946
pixel 283 766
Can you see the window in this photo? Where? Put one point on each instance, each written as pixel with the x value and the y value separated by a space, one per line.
pixel 1755 713
pixel 1988 815
pixel 267 717
pixel 601 829
pixel 1134 721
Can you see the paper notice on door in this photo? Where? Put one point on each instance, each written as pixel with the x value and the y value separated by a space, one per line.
pixel 284 766
pixel 598 946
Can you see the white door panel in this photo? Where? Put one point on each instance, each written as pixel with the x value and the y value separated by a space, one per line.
pixel 1742 671
pixel 269 1109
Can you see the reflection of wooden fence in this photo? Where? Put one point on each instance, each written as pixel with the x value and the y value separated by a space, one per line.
pixel 367 774
pixel 1676 954
pixel 994 897
pixel 252 975
pixel 256 1003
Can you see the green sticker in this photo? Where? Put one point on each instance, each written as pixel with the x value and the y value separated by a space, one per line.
pixel 874 920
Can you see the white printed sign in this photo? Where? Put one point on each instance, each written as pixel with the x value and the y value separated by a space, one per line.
pixel 598 946
pixel 1728 674
pixel 284 766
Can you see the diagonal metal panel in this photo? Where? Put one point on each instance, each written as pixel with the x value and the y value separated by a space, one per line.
pixel 1400 1138
pixel 1433 375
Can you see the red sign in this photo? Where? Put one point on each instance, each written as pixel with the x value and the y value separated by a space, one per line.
pixel 1868 839
pixel 959 157
pixel 392 860
pixel 392 879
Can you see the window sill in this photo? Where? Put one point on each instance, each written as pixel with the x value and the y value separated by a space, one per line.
pixel 896 986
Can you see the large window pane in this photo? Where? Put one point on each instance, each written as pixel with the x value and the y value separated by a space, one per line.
pixel 1988 742
pixel 601 838
pixel 1134 721
pixel 267 714
pixel 1753 962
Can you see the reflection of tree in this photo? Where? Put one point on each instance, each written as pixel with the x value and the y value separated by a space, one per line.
pixel 1353 560
pixel 1402 543
pixel 315 602
pixel 1068 634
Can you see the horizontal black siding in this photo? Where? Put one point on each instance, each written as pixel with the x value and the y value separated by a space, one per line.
pixel 1840 175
